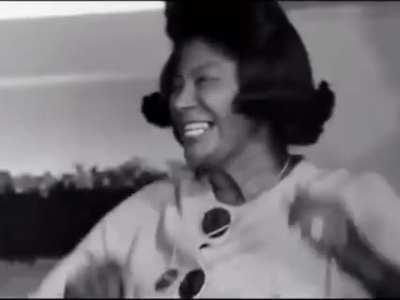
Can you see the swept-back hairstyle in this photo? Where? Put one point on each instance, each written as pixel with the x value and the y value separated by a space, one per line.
pixel 275 77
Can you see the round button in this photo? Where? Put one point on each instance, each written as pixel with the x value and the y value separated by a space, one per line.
pixel 192 284
pixel 216 221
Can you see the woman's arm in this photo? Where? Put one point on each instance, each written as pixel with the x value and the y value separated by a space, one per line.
pixel 361 228
pixel 91 248
pixel 379 276
pixel 106 247
pixel 95 266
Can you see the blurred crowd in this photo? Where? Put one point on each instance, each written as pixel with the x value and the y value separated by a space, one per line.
pixel 130 174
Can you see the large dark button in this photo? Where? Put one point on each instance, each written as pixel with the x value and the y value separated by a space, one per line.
pixel 192 284
pixel 166 279
pixel 215 219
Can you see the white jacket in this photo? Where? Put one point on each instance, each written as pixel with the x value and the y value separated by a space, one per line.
pixel 259 256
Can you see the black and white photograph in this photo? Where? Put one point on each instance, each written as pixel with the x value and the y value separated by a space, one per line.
pixel 199 149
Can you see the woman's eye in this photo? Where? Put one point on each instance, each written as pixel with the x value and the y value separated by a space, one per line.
pixel 177 85
pixel 205 80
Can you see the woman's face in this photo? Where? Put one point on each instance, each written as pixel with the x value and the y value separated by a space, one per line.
pixel 204 87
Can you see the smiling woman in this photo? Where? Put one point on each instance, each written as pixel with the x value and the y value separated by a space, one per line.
pixel 237 91
pixel 201 106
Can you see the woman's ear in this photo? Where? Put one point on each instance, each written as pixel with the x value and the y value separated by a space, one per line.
pixel 155 110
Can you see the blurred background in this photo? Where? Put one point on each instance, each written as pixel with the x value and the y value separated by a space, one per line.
pixel 73 142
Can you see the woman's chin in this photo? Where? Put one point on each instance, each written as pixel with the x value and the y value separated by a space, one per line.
pixel 196 159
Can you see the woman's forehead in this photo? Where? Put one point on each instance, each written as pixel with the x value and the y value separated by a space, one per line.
pixel 198 55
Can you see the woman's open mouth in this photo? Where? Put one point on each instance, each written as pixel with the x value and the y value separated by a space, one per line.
pixel 194 130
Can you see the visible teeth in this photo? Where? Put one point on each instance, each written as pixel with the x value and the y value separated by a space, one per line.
pixel 194 132
pixel 196 125
pixel 195 129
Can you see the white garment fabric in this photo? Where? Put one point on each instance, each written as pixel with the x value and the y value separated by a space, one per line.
pixel 259 256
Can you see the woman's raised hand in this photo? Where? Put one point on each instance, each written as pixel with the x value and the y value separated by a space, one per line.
pixel 96 280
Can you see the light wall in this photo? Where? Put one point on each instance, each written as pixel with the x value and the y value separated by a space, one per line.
pixel 356 46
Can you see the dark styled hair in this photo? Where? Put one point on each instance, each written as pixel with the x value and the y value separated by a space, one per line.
pixel 275 76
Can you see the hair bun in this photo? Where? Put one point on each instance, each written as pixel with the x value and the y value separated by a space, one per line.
pixel 155 110
pixel 323 85
pixel 308 128
pixel 324 101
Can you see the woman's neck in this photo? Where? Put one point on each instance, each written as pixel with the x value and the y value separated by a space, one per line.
pixel 255 168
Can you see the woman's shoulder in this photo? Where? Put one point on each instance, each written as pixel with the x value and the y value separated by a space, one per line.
pixel 143 208
pixel 371 201
pixel 341 179
pixel 364 192
pixel 151 197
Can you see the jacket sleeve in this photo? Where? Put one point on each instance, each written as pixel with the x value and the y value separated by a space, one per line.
pixel 91 247
pixel 111 239
pixel 370 201
pixel 375 206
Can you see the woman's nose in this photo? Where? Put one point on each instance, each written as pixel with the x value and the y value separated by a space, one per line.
pixel 185 99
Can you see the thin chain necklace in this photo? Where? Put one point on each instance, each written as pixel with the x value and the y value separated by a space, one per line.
pixel 284 168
